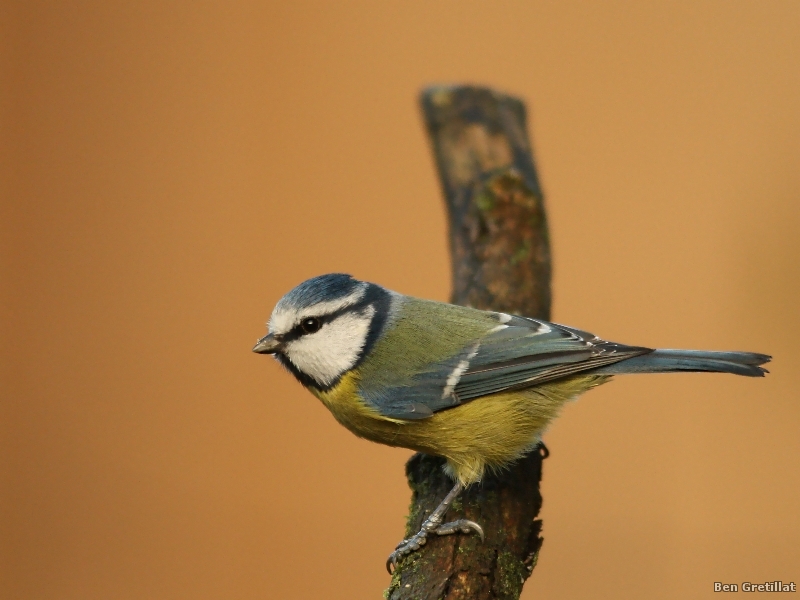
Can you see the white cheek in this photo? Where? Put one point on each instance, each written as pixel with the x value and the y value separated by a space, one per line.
pixel 333 350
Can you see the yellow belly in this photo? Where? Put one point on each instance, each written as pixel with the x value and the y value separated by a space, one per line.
pixel 485 433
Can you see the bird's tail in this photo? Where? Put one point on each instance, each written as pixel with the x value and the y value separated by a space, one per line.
pixel 667 361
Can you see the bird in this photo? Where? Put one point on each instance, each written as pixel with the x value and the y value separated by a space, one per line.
pixel 476 387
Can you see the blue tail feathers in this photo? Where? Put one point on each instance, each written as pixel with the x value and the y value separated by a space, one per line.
pixel 667 361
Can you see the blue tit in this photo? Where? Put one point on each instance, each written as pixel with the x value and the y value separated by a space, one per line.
pixel 475 387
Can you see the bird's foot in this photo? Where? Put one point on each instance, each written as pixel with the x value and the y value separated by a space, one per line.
pixel 431 525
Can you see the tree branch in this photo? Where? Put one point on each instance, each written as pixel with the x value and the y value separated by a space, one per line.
pixel 501 261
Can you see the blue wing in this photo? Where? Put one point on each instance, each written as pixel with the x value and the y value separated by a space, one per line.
pixel 530 352
pixel 516 353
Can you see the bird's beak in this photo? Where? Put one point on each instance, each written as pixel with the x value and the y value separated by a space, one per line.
pixel 267 345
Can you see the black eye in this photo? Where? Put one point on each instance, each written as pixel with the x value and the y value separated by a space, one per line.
pixel 310 325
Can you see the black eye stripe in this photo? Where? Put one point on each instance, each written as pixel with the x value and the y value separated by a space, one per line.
pixel 323 319
pixel 297 331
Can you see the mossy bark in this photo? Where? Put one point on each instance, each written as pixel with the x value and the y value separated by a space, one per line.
pixel 500 261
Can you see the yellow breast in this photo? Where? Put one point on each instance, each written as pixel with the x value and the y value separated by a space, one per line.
pixel 348 408
pixel 488 432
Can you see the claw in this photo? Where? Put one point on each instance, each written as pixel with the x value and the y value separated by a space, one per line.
pixel 433 524
pixel 405 548
pixel 462 525
pixel 474 526
pixel 396 556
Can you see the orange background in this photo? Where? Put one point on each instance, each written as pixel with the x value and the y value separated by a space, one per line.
pixel 169 170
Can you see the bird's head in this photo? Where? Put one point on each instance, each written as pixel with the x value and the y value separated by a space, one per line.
pixel 325 326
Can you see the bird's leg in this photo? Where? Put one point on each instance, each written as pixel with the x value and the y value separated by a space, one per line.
pixel 433 524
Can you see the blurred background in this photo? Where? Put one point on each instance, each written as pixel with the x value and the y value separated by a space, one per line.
pixel 169 170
